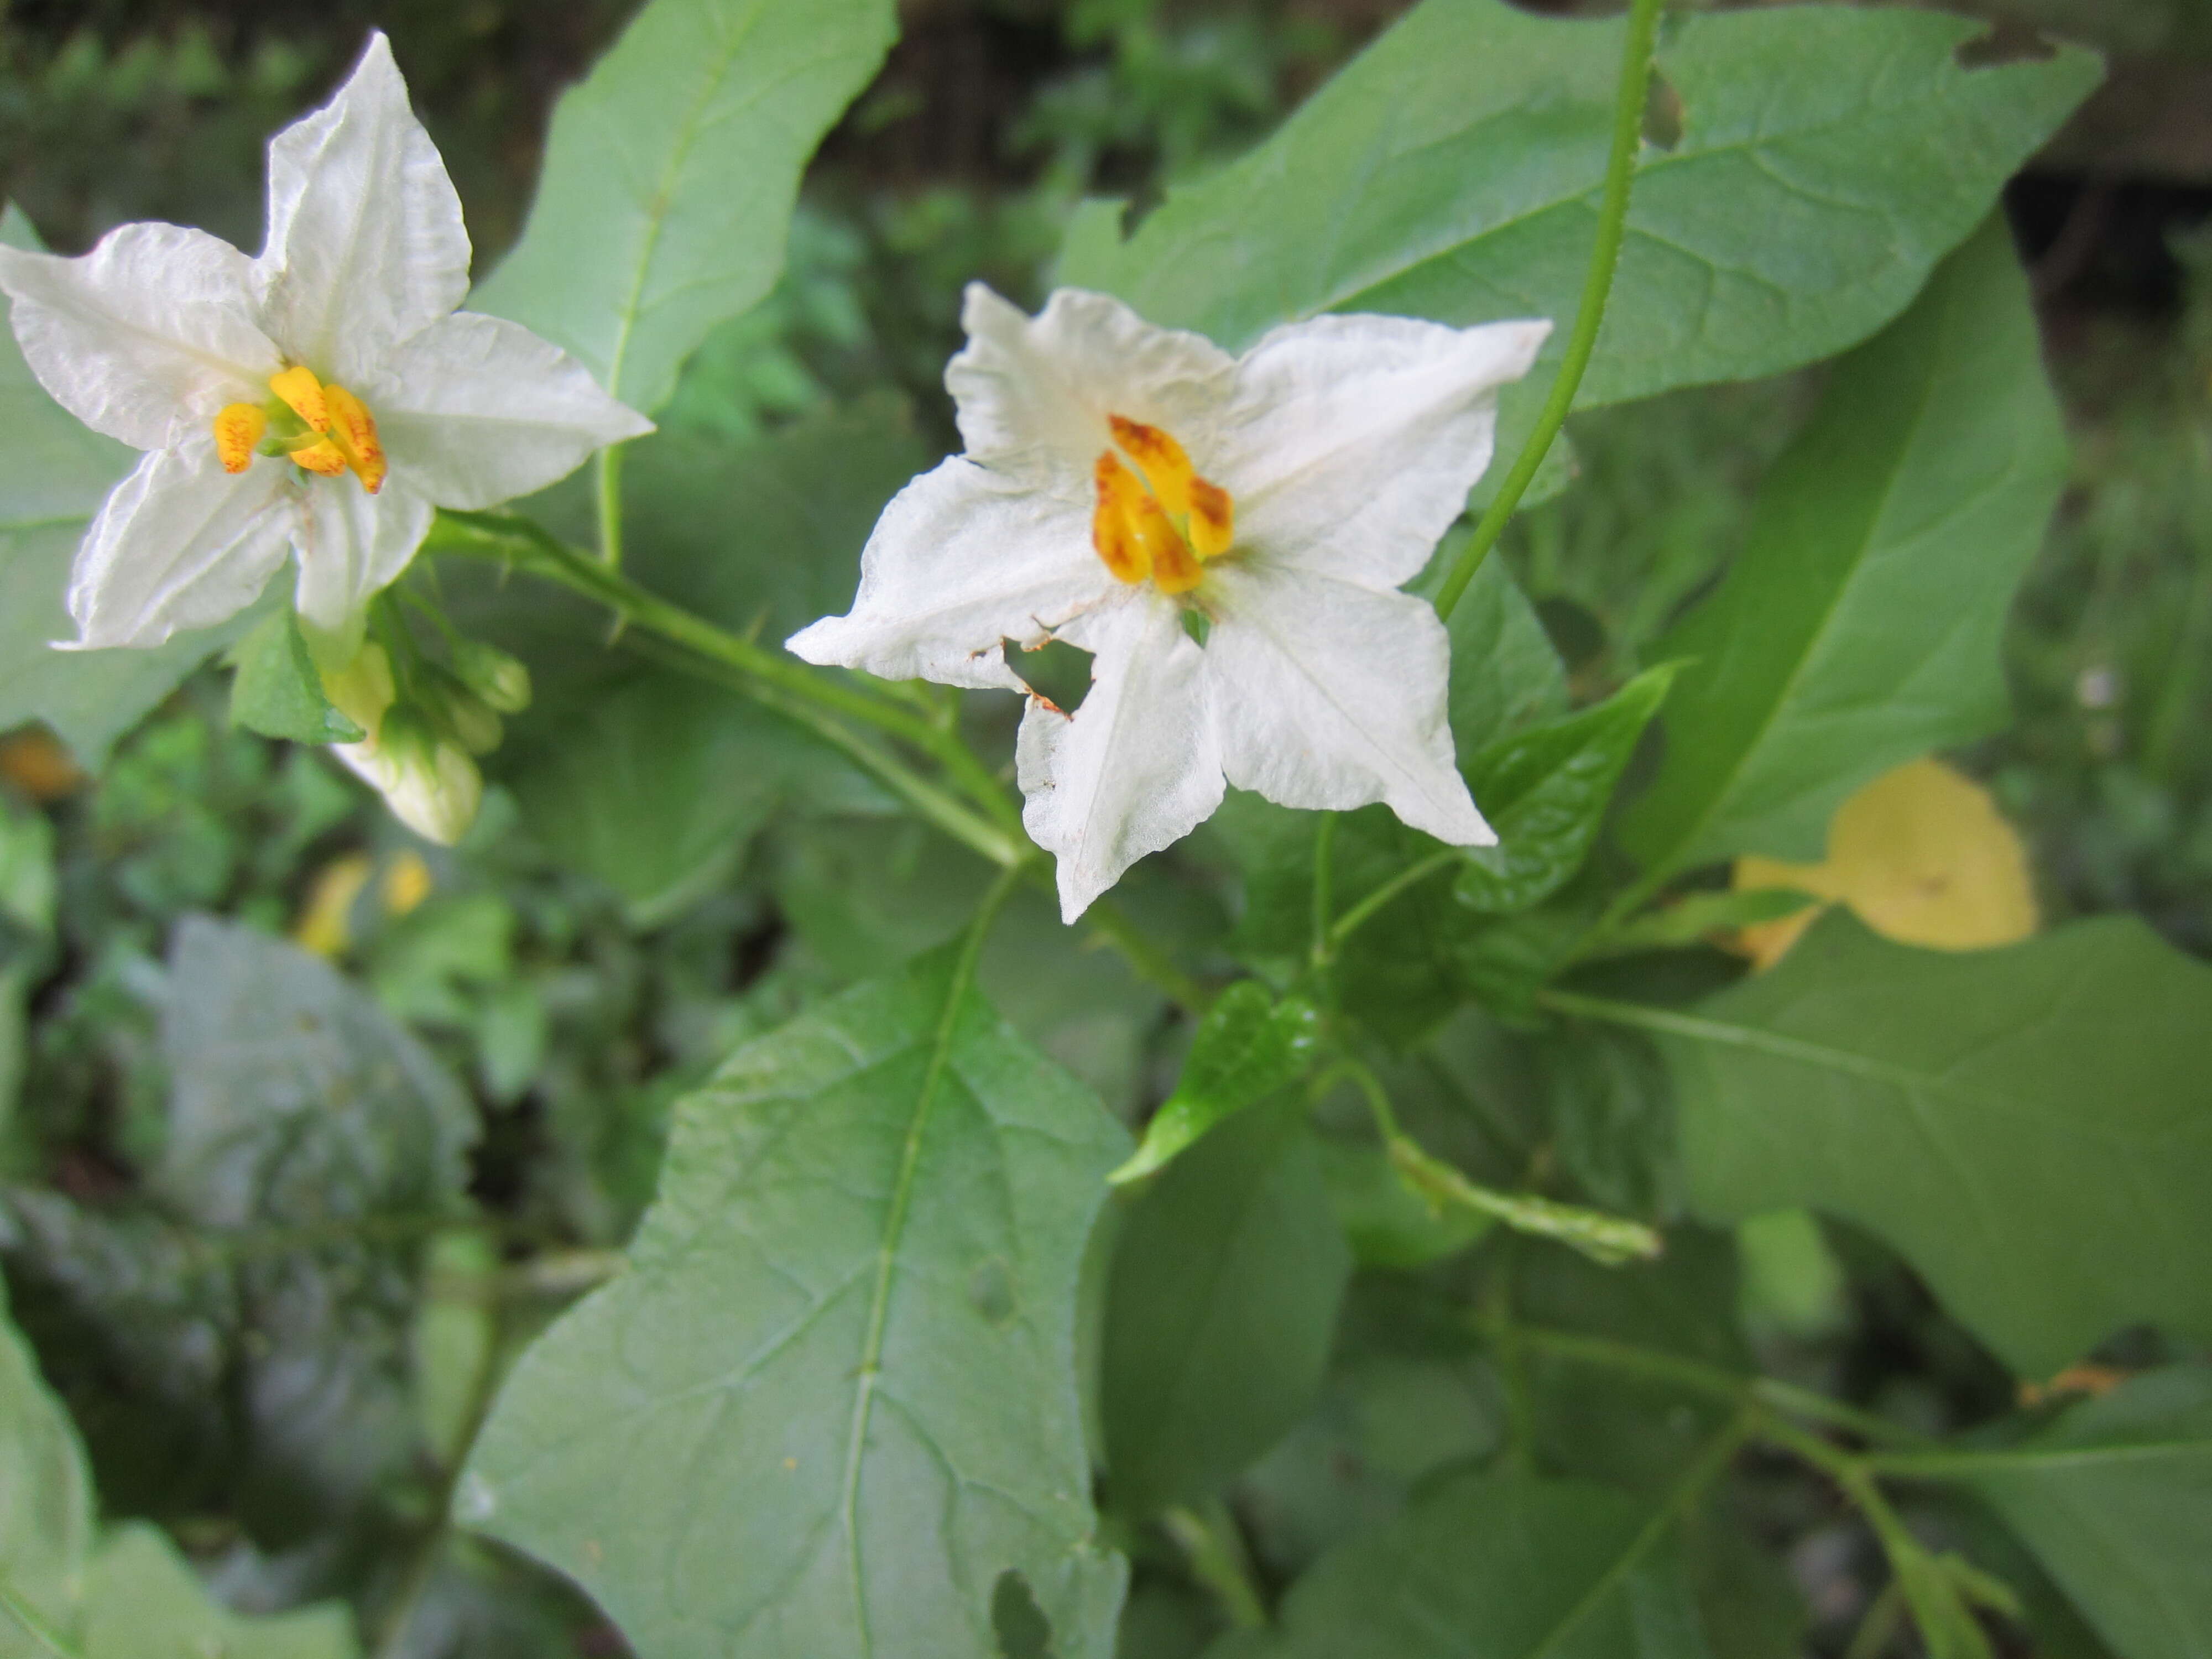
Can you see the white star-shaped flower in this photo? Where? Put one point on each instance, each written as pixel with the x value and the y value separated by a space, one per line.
pixel 323 398
pixel 1226 536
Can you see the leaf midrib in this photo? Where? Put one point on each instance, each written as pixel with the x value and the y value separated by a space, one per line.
pixel 940 1055
pixel 663 202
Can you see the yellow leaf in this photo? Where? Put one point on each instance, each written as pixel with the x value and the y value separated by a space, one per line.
pixel 1921 855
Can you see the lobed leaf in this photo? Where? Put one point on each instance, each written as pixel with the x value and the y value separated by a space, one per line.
pixel 2027 1126
pixel 830 1407
pixel 1860 626
pixel 670 176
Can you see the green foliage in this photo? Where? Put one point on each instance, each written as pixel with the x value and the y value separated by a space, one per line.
pixel 1499 1566
pixel 670 175
pixel 142 1598
pixel 856 1291
pixel 275 690
pixel 2115 1498
pixel 1225 1282
pixel 1546 792
pixel 2022 1124
pixel 1248 1046
pixel 1859 627
pixel 45 1503
pixel 1852 147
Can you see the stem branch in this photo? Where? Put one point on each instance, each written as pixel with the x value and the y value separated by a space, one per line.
pixel 1597 288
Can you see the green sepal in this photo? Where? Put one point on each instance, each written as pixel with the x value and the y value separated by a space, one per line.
pixel 276 692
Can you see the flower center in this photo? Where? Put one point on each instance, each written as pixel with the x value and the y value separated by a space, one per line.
pixel 1160 520
pixel 324 428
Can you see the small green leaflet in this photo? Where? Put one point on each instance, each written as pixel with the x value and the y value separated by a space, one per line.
pixel 1248 1046
pixel 1859 628
pixel 2027 1126
pixel 2115 1498
pixel 1828 157
pixel 831 1406
pixel 275 690
pixel 1497 1566
pixel 670 175
pixel 54 474
pixel 1545 791
pixel 1219 1312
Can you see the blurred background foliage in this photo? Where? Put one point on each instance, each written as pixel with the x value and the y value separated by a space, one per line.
pixel 575 1011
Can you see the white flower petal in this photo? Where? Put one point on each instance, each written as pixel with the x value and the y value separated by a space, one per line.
pixel 477 410
pixel 962 560
pixel 351 546
pixel 179 544
pixel 1137 767
pixel 1332 696
pixel 1352 442
pixel 1034 393
pixel 365 244
pixel 146 336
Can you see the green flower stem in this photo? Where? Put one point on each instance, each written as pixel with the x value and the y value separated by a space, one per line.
pixel 1363 912
pixel 1324 901
pixel 1150 963
pixel 1209 1538
pixel 1675 1370
pixel 607 479
pixel 1597 288
pixel 546 554
pixel 1609 1239
pixel 932 803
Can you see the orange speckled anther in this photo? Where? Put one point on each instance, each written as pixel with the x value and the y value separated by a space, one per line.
pixel 238 429
pixel 1163 521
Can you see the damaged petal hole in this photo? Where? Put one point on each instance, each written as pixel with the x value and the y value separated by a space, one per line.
pixel 1055 670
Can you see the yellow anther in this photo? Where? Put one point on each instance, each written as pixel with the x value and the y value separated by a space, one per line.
pixel 322 457
pixel 303 394
pixel 1212 518
pixel 1119 530
pixel 353 429
pixel 1160 458
pixel 238 430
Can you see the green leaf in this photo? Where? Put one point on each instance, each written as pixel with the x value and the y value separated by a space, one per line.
pixel 299 1107
pixel 54 473
pixel 45 1502
pixel 832 1402
pixel 1860 626
pixel 1219 1311
pixel 2115 1498
pixel 277 690
pixel 2027 1126
pixel 1545 791
pixel 659 787
pixel 1248 1046
pixel 1828 157
pixel 144 1601
pixel 1495 1567
pixel 670 174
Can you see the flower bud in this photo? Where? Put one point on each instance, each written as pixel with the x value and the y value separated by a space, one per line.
pixel 475 725
pixel 363 688
pixel 501 681
pixel 430 783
